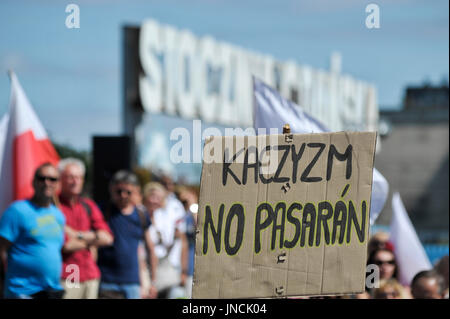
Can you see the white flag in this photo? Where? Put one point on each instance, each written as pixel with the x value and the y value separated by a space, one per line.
pixel 3 130
pixel 271 110
pixel 409 253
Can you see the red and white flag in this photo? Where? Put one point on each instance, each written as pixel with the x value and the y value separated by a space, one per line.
pixel 25 147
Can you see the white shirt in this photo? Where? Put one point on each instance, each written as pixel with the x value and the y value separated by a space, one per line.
pixel 162 231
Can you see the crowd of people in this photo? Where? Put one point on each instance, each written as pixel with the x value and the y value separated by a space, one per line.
pixel 138 245
pixel 427 284
pixel 60 244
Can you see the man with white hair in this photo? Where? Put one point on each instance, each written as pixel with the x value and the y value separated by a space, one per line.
pixel 86 230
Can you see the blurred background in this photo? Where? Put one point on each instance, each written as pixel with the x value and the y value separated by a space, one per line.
pixel 96 93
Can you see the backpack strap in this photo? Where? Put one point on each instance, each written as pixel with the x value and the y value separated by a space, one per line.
pixel 88 210
pixel 142 220
pixel 86 207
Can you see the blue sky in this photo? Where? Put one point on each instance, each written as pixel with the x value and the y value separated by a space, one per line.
pixel 73 76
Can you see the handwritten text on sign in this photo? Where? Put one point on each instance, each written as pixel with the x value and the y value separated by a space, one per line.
pixel 314 223
pixel 284 215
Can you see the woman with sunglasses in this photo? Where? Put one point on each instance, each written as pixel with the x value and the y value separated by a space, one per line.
pixel 385 260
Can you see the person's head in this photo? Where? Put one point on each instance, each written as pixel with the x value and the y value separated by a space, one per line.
pixel 363 295
pixel 45 183
pixel 385 260
pixel 168 183
pixel 72 172
pixel 442 268
pixel 187 197
pixel 154 196
pixel 389 289
pixel 377 241
pixel 427 284
pixel 122 187
pixel 136 196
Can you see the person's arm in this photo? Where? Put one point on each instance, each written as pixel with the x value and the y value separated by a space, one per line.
pixel 103 238
pixel 4 247
pixel 143 271
pixel 153 260
pixel 184 255
pixel 10 228
pixel 70 232
pixel 72 243
pixel 101 234
pixel 98 238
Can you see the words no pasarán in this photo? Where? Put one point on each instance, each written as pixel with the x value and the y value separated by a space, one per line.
pixel 295 156
pixel 310 223
pixel 312 228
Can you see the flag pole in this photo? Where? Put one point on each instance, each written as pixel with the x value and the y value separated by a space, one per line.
pixel 10 73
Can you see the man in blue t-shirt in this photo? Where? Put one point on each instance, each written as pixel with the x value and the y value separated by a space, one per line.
pixel 31 237
pixel 119 264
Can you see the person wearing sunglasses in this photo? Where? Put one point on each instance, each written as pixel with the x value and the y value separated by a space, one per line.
pixel 385 260
pixel 119 263
pixel 31 238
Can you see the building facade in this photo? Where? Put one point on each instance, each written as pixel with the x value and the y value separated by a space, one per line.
pixel 172 74
pixel 414 157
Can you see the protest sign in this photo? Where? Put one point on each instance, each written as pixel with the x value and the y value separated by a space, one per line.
pixel 284 215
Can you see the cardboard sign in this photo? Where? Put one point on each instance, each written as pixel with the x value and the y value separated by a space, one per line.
pixel 284 215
